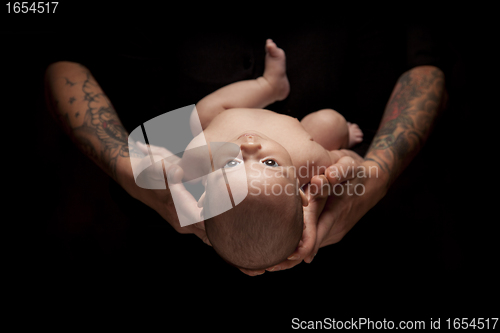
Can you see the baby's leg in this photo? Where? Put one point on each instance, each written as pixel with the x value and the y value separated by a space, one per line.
pixel 330 129
pixel 271 87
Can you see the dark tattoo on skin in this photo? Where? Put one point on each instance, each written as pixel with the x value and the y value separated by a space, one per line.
pixel 101 119
pixel 407 120
pixel 87 148
pixel 68 82
pixel 101 136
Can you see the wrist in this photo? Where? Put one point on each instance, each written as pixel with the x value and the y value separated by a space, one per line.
pixel 376 180
pixel 125 175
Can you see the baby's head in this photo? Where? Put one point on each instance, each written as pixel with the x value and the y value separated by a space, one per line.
pixel 264 228
pixel 261 231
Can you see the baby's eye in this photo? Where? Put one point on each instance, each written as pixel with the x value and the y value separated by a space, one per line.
pixel 271 163
pixel 232 164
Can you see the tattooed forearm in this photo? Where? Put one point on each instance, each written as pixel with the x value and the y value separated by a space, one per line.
pixel 101 120
pixel 88 116
pixel 407 120
pixel 68 82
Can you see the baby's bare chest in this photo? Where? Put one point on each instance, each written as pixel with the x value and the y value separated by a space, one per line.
pixel 309 159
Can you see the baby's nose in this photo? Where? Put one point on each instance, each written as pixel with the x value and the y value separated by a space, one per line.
pixel 250 146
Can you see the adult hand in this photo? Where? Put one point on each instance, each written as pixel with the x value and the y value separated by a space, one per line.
pixel 353 192
pixel 333 212
pixel 160 199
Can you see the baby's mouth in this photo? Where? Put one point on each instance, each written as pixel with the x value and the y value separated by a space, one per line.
pixel 248 134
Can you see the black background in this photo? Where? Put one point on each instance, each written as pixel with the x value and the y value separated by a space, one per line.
pixel 427 250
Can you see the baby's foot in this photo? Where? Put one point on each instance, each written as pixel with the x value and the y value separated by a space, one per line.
pixel 275 71
pixel 355 134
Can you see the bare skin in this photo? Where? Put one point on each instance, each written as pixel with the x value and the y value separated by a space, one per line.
pixel 237 108
pixel 234 114
pixel 417 98
pixel 81 108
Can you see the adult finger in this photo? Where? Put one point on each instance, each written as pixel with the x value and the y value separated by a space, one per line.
pixel 325 223
pixel 161 152
pixel 335 155
pixel 317 188
pixel 142 147
pixel 344 169
pixel 338 217
pixel 317 193
pixel 347 152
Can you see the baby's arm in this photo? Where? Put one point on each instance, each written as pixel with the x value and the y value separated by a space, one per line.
pixel 330 129
pixel 271 87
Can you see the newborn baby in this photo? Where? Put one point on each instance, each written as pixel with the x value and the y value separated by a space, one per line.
pixel 280 155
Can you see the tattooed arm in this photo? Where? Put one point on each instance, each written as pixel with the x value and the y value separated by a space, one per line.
pixel 408 119
pixel 417 97
pixel 88 117
pixel 416 100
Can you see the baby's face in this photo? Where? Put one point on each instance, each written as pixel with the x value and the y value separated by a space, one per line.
pixel 260 152
pixel 263 166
